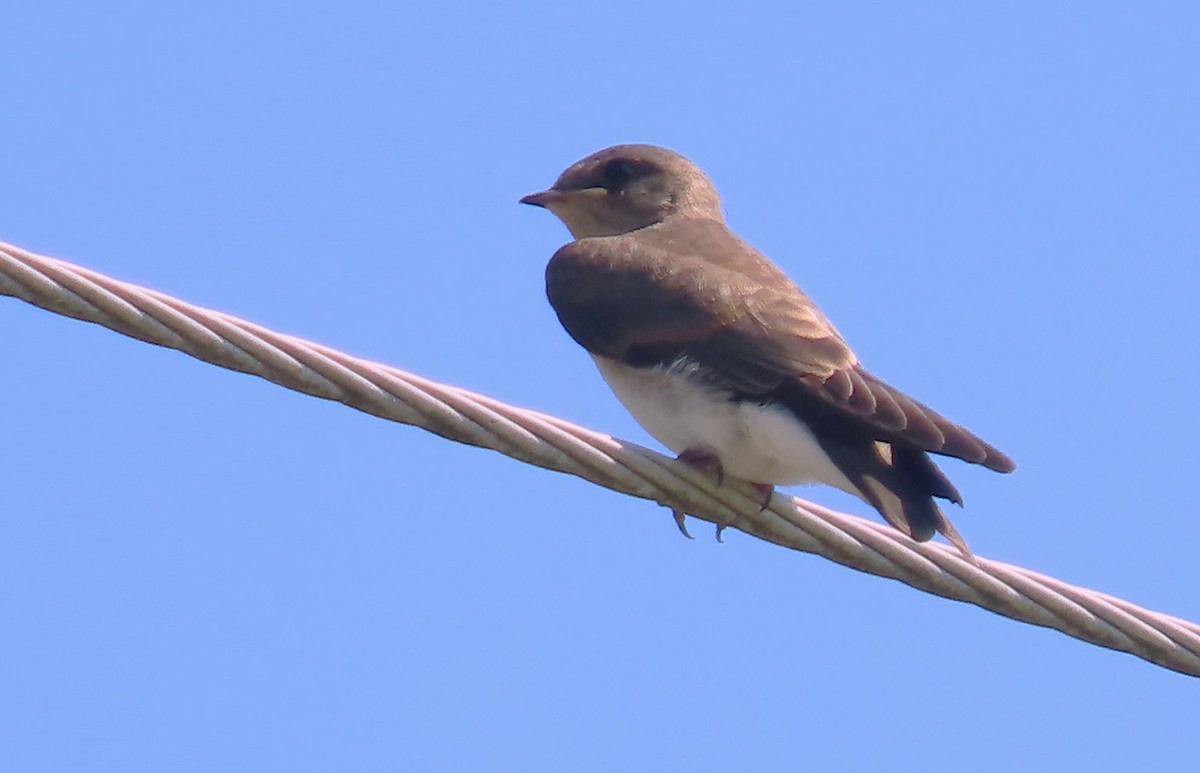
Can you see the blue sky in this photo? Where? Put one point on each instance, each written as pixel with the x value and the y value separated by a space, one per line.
pixel 202 571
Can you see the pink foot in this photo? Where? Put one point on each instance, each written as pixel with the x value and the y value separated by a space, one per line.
pixel 765 491
pixel 705 460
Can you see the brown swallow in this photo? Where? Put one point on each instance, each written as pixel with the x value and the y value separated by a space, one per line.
pixel 722 358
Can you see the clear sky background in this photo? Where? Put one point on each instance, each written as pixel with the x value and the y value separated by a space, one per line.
pixel 200 571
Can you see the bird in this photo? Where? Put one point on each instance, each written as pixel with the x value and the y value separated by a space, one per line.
pixel 723 359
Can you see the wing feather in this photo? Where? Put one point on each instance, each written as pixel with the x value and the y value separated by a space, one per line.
pixel 697 291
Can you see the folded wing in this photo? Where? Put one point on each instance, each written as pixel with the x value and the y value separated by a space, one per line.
pixel 699 292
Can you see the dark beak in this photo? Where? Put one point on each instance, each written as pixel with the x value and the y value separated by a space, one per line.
pixel 542 198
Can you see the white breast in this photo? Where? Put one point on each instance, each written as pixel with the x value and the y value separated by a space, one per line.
pixel 757 443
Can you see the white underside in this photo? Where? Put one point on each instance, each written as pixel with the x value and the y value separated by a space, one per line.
pixel 757 443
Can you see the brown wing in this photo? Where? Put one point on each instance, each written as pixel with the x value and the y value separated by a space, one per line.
pixel 892 414
pixel 695 290
pixel 653 296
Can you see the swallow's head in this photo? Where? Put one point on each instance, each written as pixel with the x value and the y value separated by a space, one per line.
pixel 627 187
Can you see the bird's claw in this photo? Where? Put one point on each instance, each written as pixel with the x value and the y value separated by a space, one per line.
pixel 764 491
pixel 679 515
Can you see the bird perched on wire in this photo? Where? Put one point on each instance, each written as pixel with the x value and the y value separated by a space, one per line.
pixel 722 358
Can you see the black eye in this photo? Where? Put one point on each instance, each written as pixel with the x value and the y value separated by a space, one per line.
pixel 618 172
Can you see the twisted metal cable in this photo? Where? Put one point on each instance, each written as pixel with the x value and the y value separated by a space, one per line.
pixel 555 444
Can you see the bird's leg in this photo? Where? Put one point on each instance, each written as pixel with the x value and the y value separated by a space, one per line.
pixel 705 460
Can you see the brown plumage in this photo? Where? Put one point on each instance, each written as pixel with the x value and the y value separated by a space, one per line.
pixel 655 278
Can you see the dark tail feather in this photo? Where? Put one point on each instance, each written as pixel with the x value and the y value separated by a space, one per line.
pixel 900 483
pixel 924 474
